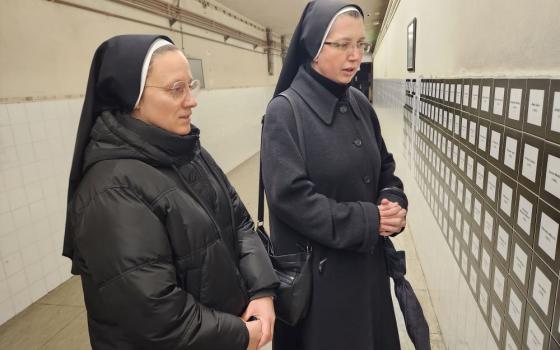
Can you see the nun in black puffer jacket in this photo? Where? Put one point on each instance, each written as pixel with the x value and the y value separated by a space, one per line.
pixel 164 246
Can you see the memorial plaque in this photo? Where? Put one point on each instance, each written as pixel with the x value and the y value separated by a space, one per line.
pixel 542 290
pixel 553 113
pixel 535 334
pixel 536 109
pixel 531 161
pixel 498 98
pixel 516 103
pixel 511 152
pixel 547 231
pixel 550 183
pixel 520 266
pixel 516 304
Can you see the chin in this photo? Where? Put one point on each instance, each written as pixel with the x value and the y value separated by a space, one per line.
pixel 180 130
pixel 345 80
pixel 185 130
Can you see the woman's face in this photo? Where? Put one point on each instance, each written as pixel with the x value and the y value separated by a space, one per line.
pixel 337 64
pixel 162 103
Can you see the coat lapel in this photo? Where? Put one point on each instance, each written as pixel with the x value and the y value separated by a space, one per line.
pixel 316 96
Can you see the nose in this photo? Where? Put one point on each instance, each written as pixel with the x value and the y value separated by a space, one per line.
pixel 189 101
pixel 355 54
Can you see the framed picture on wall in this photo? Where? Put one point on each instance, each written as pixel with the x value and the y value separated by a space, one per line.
pixel 411 46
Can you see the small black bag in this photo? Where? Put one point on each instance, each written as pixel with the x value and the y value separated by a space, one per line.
pixel 293 270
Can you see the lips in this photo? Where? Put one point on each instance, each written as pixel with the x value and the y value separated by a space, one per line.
pixel 349 70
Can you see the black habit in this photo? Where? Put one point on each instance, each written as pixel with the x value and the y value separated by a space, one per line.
pixel 328 196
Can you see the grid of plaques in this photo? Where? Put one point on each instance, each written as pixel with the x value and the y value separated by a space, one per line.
pixel 488 163
pixel 408 130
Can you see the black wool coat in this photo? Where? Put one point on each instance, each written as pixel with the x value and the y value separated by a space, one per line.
pixel 157 271
pixel 329 197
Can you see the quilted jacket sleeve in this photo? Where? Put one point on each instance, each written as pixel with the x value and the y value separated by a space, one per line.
pixel 254 263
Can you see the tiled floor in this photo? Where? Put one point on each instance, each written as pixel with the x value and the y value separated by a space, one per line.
pixel 58 320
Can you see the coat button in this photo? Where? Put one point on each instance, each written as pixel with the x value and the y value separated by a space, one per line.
pixel 366 179
pixel 192 177
pixel 343 109
pixel 358 143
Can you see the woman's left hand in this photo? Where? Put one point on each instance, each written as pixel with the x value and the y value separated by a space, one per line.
pixel 392 217
pixel 263 309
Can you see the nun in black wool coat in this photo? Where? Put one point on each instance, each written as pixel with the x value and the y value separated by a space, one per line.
pixel 337 191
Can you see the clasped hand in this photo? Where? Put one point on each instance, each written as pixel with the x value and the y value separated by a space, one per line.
pixel 392 217
pixel 261 329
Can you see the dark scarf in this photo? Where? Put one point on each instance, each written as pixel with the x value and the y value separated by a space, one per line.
pixel 339 90
pixel 122 136
pixel 307 38
pixel 181 149
pixel 113 85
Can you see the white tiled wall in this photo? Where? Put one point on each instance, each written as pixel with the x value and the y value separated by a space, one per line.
pixel 36 145
pixel 36 148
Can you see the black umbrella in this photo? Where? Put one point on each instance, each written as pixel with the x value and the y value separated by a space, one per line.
pixel 416 325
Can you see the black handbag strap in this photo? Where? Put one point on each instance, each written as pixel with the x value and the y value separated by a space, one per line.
pixel 289 95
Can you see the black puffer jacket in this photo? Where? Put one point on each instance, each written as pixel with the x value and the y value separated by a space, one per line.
pixel 158 272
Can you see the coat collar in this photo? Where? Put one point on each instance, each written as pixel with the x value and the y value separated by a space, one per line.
pixel 318 98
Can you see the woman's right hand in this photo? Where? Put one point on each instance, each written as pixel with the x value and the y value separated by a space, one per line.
pixel 255 333
pixel 392 218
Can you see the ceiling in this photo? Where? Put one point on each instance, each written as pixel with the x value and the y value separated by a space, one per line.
pixel 282 15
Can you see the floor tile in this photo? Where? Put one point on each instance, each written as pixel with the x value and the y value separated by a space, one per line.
pixel 436 341
pixel 33 327
pixel 68 293
pixel 74 336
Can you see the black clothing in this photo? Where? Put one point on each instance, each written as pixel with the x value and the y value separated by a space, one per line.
pixel 113 85
pixel 331 199
pixel 337 89
pixel 164 246
pixel 157 271
pixel 307 37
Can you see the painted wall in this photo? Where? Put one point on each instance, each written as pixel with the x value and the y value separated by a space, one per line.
pixel 476 38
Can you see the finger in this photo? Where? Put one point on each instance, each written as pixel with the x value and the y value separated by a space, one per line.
pixel 400 215
pixel 383 207
pixel 249 312
pixel 390 211
pixel 389 204
pixel 385 201
pixel 392 221
pixel 266 333
pixel 390 229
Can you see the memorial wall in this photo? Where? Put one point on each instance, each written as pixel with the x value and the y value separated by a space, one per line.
pixel 487 160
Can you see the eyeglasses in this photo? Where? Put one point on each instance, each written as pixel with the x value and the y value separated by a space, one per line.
pixel 180 89
pixel 348 46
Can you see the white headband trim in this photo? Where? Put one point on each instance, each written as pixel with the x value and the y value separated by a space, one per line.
pixel 155 45
pixel 343 10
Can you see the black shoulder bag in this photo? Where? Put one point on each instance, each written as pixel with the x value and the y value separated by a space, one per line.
pixel 293 270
